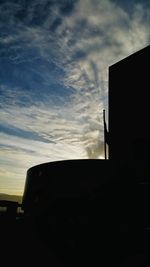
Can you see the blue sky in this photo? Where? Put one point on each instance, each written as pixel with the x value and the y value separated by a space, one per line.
pixel 54 59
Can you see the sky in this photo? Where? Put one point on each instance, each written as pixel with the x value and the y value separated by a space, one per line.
pixel 54 60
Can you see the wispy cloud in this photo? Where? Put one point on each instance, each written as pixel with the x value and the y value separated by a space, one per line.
pixel 18 154
pixel 54 59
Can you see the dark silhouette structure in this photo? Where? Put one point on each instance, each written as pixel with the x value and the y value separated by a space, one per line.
pixel 97 211
pixel 9 208
pixel 129 108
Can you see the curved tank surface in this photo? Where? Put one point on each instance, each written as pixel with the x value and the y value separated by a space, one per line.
pixel 47 181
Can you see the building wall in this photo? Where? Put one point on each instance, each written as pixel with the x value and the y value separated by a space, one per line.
pixel 129 107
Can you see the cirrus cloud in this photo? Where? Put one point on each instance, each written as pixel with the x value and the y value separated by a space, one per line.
pixel 54 59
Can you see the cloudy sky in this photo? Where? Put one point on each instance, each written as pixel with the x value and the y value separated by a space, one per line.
pixel 54 59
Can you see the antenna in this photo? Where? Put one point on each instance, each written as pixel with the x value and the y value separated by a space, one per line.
pixel 105 133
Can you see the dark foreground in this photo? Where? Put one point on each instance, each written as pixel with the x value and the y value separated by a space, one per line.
pixel 105 227
pixel 116 234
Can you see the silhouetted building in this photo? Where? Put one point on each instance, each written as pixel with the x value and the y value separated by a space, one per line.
pixel 64 200
pixel 66 180
pixel 129 108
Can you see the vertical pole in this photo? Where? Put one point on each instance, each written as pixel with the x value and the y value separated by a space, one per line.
pixel 105 153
